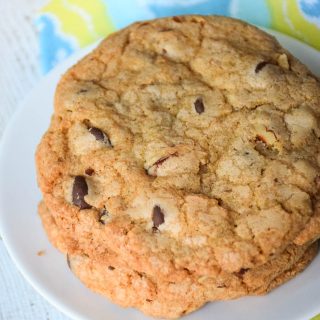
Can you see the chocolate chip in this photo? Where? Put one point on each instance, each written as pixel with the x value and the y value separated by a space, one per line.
pixel 82 91
pixel 157 216
pixel 188 271
pixel 104 214
pixel 155 230
pixel 199 106
pixel 89 171
pixel 148 300
pixel 141 274
pixel 111 268
pixel 100 135
pixel 79 191
pixel 260 66
pixel 203 168
pixel 241 272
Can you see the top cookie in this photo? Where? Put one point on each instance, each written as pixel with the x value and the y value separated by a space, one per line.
pixel 184 144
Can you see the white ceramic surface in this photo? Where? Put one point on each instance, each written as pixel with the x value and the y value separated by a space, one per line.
pixel 22 232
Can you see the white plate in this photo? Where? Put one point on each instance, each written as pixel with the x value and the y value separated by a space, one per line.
pixel 24 237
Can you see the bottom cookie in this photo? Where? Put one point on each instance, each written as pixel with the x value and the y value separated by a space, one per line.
pixel 170 300
pixel 130 288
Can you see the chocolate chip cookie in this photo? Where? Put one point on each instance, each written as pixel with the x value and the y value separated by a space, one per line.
pixel 189 148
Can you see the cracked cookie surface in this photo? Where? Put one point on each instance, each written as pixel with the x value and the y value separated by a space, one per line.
pixel 184 145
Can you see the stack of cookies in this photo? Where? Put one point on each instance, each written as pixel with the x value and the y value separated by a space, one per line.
pixel 181 165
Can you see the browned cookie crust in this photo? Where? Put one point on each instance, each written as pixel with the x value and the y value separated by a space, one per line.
pixel 186 147
pixel 116 280
pixel 168 299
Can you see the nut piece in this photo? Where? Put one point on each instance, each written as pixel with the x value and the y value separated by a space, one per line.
pixel 263 148
pixel 268 137
pixel 283 61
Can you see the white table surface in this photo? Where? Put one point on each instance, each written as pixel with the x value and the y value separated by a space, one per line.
pixel 19 73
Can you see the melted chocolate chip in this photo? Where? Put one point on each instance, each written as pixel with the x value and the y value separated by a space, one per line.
pixel 199 106
pixel 99 135
pixel 260 66
pixel 157 216
pixel 111 268
pixel 79 191
pixel 89 171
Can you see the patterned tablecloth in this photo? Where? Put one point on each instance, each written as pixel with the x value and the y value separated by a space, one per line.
pixel 66 25
pixel 19 73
